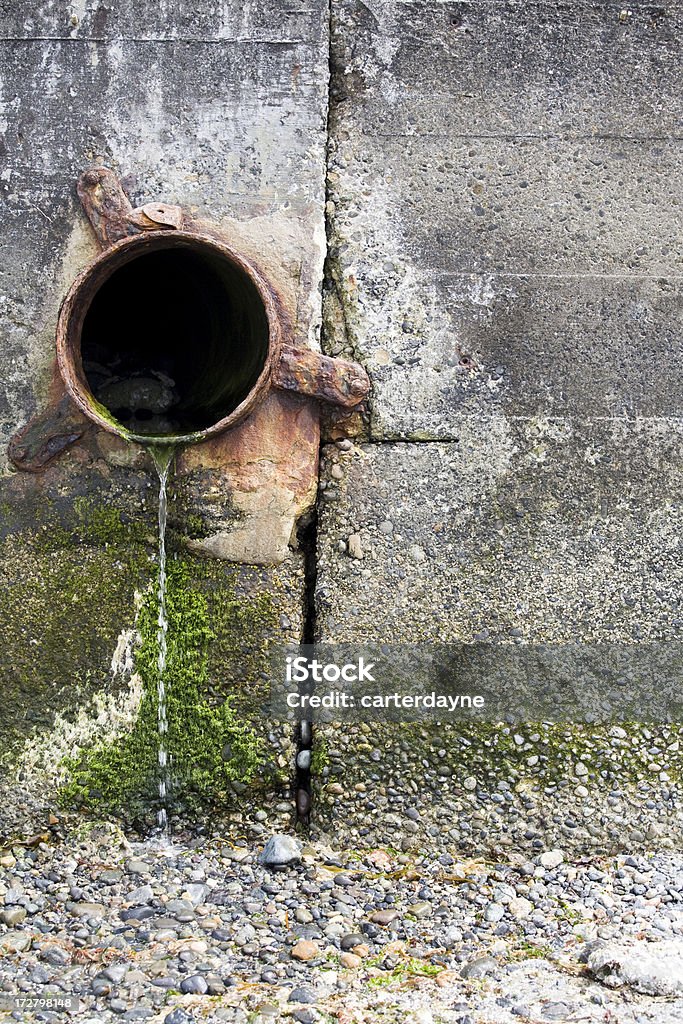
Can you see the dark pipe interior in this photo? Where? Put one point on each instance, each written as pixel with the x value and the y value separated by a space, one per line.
pixel 174 340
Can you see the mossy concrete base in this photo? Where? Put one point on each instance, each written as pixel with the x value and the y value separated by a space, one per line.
pixel 520 535
pixel 78 629
pixel 488 789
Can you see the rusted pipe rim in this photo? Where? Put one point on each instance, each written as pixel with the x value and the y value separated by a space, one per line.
pixel 80 296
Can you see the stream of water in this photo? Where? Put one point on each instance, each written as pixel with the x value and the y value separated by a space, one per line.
pixel 163 457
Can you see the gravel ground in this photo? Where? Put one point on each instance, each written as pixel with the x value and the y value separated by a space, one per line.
pixel 203 930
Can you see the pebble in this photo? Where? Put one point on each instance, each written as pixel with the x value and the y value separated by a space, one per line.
pixel 178 1016
pixel 494 912
pixel 350 960
pixel 194 985
pixel 302 995
pixel 87 910
pixel 354 546
pixel 551 859
pixel 520 908
pixel 55 955
pixel 136 866
pixel 279 851
pixel 12 916
pixel 479 967
pixel 15 942
pixel 303 760
pixel 557 1011
pixel 384 917
pixel 305 1016
pixel 305 950
pixel 143 894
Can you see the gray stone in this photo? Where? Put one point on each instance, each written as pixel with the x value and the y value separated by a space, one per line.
pixel 143 894
pixel 494 913
pixel 12 916
pixel 115 973
pixel 280 850
pixel 15 942
pixel 520 908
pixel 55 955
pixel 479 967
pixel 654 969
pixel 100 986
pixel 194 985
pixel 302 995
pixel 110 876
pixel 137 866
pixel 197 891
pixel 557 1011
pixel 178 1016
pixel 551 859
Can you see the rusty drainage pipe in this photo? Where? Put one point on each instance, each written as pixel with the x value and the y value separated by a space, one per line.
pixel 170 335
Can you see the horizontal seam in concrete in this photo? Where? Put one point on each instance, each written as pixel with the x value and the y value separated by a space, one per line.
pixel 524 4
pixel 520 137
pixel 588 275
pixel 156 39
pixel 579 421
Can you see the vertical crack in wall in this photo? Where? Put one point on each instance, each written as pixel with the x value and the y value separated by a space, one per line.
pixel 308 528
pixel 308 542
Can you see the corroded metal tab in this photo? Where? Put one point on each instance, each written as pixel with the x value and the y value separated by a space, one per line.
pixel 48 434
pixel 111 214
pixel 337 381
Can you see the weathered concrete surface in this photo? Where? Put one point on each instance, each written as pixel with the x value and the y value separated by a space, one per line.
pixel 505 181
pixel 524 532
pixel 540 531
pixel 221 108
pixel 503 189
pixel 510 67
pixel 269 467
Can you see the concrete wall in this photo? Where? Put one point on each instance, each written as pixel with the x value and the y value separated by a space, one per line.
pixel 505 257
pixel 501 192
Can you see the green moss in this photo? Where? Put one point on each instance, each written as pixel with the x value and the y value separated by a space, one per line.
pixel 410 967
pixel 210 743
pixel 62 608
pixel 105 525
pixel 320 757
pixel 194 526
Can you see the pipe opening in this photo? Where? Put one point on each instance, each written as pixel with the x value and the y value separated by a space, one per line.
pixel 172 340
